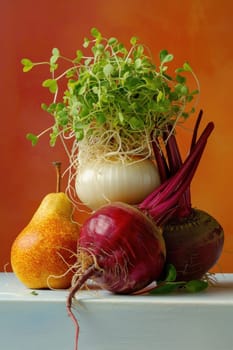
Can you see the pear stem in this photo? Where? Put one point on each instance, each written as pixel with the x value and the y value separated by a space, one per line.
pixel 57 165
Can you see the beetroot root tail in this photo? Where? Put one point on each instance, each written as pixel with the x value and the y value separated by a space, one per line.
pixel 78 285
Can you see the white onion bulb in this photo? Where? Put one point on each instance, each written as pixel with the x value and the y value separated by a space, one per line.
pixel 98 183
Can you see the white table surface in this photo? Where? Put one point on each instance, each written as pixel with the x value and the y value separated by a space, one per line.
pixel 112 322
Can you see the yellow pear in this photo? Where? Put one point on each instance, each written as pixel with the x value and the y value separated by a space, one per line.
pixel 44 251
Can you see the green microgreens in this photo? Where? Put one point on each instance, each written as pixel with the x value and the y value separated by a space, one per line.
pixel 116 89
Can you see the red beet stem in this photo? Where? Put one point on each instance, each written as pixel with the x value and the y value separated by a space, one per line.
pixel 162 211
pixel 175 163
pixel 195 131
pixel 161 161
pixel 83 278
pixel 164 198
pixel 173 154
pixel 186 205
pixel 167 187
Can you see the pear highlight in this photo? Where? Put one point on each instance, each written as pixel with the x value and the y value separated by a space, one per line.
pixel 44 252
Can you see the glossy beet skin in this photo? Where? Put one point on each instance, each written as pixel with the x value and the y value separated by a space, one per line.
pixel 193 244
pixel 128 247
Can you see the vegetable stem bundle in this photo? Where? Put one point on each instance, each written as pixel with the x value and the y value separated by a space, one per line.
pixel 194 239
pixel 168 194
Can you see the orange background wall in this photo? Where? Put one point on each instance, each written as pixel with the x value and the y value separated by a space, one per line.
pixel 199 31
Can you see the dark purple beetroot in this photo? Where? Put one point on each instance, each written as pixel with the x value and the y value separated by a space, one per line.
pixel 193 244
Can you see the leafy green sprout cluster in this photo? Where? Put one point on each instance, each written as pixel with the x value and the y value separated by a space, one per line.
pixel 116 97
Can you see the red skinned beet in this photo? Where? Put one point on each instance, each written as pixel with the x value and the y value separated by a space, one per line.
pixel 129 248
pixel 193 238
pixel 193 244
pixel 121 249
